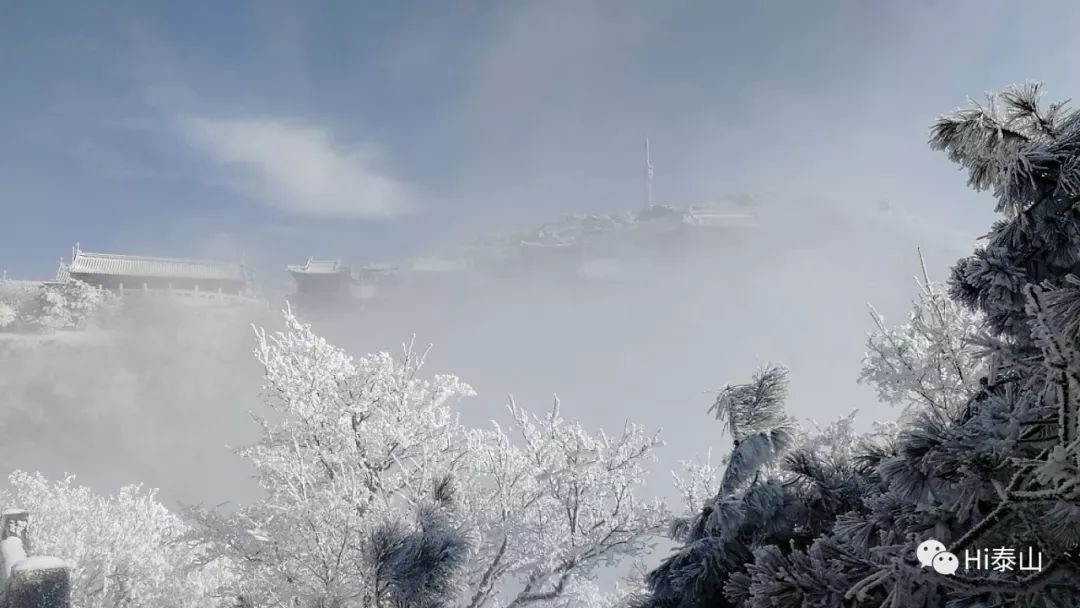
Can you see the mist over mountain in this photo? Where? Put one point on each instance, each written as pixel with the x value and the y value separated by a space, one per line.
pixel 159 396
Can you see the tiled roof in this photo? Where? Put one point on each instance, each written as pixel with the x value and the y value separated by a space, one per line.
pixel 319 267
pixel 166 268
pixel 62 274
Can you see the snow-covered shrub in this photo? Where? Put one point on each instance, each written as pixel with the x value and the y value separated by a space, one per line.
pixel 126 549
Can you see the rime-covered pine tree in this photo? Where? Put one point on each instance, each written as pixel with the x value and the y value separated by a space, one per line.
pixel 986 455
pixel 777 490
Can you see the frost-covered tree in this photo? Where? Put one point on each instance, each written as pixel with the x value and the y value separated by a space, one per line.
pixel 7 315
pixel 1024 283
pixel 564 503
pixel 376 495
pixel 971 476
pixel 18 304
pixel 357 467
pixel 1026 154
pixel 30 306
pixel 934 361
pixel 126 550
pixel 986 455
pixel 73 305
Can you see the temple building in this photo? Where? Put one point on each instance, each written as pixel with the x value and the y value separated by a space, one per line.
pixel 322 279
pixel 373 279
pixel 133 273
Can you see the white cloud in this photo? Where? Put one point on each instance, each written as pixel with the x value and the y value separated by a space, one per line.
pixel 297 168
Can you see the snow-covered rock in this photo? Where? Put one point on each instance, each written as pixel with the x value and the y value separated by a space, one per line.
pixel 40 562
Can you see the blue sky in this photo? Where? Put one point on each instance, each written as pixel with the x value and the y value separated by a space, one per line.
pixel 374 130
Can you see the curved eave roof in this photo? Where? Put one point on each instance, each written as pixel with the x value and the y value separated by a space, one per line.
pixel 324 267
pixel 108 264
pixel 315 271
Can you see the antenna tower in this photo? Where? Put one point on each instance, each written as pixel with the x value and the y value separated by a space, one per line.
pixel 648 173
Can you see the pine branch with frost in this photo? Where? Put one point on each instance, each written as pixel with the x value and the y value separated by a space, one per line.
pixel 1054 473
pixel 755 407
pixel 760 429
pixel 419 568
pixel 753 454
pixel 1008 144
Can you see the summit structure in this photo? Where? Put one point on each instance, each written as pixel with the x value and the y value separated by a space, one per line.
pixel 322 279
pixel 126 273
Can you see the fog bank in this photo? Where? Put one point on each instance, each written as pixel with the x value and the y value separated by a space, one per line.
pixel 161 397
